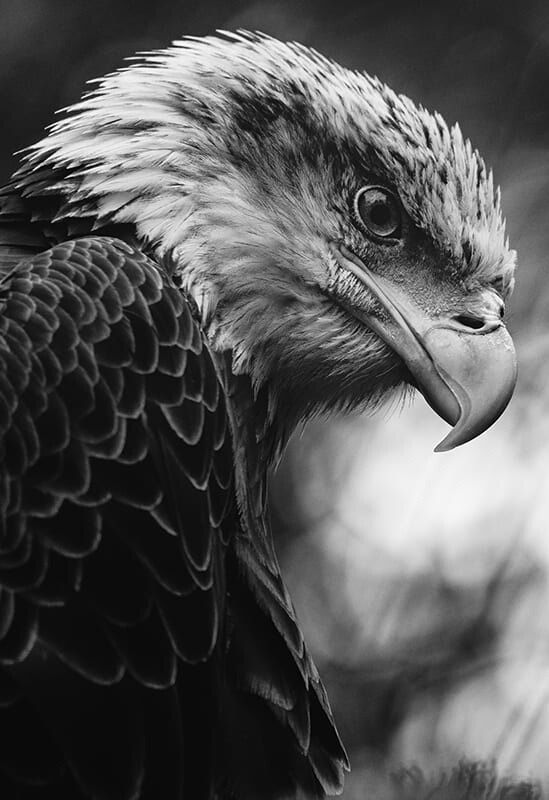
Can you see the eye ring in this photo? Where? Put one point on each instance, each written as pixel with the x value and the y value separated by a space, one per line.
pixel 378 212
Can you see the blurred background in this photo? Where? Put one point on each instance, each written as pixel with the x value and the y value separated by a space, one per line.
pixel 421 580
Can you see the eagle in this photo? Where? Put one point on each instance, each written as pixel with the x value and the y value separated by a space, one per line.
pixel 220 241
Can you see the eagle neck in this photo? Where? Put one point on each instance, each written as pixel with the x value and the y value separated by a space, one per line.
pixel 256 439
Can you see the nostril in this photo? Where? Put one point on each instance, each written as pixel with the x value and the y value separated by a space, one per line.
pixel 470 322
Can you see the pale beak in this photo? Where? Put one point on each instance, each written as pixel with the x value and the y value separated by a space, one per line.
pixel 463 362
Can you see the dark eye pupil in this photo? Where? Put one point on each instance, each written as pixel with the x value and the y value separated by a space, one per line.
pixel 380 214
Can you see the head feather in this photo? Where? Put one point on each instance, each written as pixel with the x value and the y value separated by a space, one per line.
pixel 236 157
pixel 172 119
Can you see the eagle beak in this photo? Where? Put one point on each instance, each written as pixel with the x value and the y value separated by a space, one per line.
pixel 463 362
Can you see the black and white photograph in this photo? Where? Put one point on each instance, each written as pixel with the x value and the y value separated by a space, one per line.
pixel 274 400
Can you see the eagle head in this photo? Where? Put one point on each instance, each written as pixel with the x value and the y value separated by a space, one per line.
pixel 341 242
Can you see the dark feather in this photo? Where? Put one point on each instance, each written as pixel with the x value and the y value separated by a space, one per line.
pixel 130 645
pixel 90 724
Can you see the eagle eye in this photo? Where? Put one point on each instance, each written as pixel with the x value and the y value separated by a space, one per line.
pixel 378 212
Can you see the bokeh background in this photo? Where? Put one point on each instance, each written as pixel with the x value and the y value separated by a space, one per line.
pixel 421 579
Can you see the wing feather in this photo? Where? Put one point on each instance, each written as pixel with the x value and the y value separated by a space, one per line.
pixel 108 546
pixel 138 616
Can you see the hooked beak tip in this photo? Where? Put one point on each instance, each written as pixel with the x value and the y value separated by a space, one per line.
pixel 480 372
